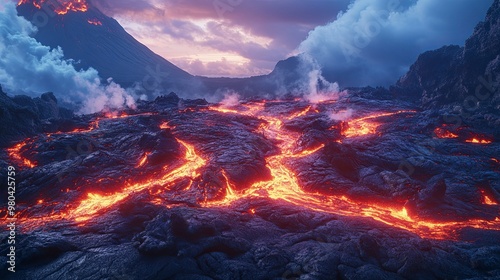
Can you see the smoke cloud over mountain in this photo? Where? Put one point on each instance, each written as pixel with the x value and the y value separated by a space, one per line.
pixel 375 41
pixel 28 67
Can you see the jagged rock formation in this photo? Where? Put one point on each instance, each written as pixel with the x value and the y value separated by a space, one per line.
pixel 465 78
pixel 23 116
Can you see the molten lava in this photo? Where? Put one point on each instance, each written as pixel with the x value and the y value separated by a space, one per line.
pixel 478 140
pixel 487 200
pixel 284 185
pixel 300 113
pixel 366 125
pixel 60 7
pixel 444 134
pixel 15 154
pixel 143 160
pixel 94 203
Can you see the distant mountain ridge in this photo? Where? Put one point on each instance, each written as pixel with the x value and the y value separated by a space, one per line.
pixel 440 77
pixel 95 40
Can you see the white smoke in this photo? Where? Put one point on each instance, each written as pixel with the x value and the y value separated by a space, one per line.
pixel 341 115
pixel 28 67
pixel 317 88
pixel 231 99
pixel 375 41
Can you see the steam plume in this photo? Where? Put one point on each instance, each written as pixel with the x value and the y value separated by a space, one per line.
pixel 28 67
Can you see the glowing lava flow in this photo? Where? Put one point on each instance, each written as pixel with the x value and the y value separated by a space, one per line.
pixel 15 154
pixel 444 134
pixel 477 140
pixel 90 206
pixel 285 186
pixel 60 7
pixel 487 200
pixel 143 160
pixel 94 203
pixel 366 125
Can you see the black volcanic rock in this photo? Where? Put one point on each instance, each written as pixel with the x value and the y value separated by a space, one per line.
pixel 465 77
pixel 397 203
pixel 23 116
pixel 432 77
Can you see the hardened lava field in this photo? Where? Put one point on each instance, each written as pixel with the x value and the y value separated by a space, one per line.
pixel 214 178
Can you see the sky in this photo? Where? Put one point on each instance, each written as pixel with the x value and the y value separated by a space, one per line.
pixel 357 42
pixel 234 38
pixel 354 42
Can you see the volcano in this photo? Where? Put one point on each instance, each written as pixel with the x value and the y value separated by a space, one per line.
pixel 77 27
pixel 377 183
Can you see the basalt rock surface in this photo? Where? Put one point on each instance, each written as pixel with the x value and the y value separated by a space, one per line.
pixel 399 183
pixel 170 229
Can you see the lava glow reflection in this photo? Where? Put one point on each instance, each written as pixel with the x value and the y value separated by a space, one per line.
pixel 366 125
pixel 284 186
pixel 60 7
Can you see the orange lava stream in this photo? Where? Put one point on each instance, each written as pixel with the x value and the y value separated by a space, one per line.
pixel 143 160
pixel 478 141
pixel 487 200
pixel 285 186
pixel 91 206
pixel 61 7
pixel 366 125
pixel 94 22
pixel 444 134
pixel 15 154
pixel 300 114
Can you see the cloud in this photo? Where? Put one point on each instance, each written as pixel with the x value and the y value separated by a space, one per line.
pixel 341 115
pixel 307 81
pixel 256 34
pixel 231 99
pixel 375 41
pixel 26 66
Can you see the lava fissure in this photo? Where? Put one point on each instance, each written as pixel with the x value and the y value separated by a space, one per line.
pixel 284 185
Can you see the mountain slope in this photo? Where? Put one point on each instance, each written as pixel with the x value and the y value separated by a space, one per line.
pixel 95 40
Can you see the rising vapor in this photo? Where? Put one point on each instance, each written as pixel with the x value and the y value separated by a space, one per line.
pixel 375 41
pixel 28 67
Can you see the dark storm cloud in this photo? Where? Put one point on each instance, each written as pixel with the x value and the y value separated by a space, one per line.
pixel 285 23
pixel 375 41
pixel 371 42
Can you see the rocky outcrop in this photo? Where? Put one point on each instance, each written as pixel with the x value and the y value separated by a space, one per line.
pixel 465 77
pixel 22 116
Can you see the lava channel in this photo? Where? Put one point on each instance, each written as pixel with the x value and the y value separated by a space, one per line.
pixel 285 185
